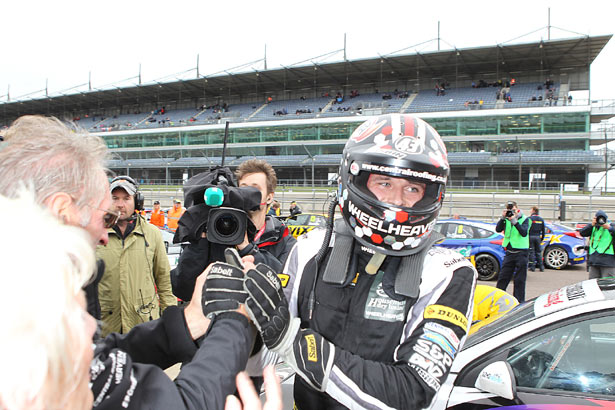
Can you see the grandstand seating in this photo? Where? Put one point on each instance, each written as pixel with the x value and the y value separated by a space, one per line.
pixel 424 101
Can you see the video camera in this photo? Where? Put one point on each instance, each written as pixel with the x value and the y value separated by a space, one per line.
pixel 509 209
pixel 216 205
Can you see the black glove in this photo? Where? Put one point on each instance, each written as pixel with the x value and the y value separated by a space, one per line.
pixel 307 352
pixel 223 289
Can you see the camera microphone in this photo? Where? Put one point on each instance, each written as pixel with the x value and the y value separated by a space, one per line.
pixel 214 196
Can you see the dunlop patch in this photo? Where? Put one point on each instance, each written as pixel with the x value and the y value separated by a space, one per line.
pixel 311 348
pixel 284 279
pixel 447 314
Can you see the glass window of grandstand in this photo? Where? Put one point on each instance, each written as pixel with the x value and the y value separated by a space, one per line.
pixel 246 135
pixel 564 145
pixel 273 134
pixel 445 126
pixel 153 140
pixel 521 124
pixel 303 133
pixel 196 138
pixel 478 126
pixel 566 123
pixel 336 131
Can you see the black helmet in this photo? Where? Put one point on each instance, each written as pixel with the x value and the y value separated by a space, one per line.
pixel 400 146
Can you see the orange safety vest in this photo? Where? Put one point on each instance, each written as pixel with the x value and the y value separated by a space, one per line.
pixel 173 217
pixel 157 218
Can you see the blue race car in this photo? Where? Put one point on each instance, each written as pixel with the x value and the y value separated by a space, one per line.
pixel 475 240
pixel 478 241
pixel 562 246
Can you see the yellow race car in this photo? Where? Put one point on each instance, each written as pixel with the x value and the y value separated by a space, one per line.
pixel 303 223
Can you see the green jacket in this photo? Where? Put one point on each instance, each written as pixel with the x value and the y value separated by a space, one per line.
pixel 134 269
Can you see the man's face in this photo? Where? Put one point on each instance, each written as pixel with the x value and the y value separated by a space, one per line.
pixel 123 203
pixel 156 207
pixel 395 191
pixel 257 180
pixel 176 205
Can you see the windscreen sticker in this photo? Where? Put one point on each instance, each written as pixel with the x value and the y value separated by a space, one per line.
pixel 572 295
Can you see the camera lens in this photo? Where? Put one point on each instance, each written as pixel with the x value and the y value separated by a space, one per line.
pixel 227 225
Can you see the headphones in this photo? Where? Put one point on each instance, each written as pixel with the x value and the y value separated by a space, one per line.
pixel 139 198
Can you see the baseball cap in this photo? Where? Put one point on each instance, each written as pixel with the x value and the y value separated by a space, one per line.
pixel 156 202
pixel 177 201
pixel 125 185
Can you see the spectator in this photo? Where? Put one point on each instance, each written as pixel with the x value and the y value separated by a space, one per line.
pixel 274 210
pixel 136 287
pixel 381 357
pixel 294 209
pixel 601 259
pixel 516 243
pixel 157 217
pixel 270 245
pixel 174 214
pixel 35 153
pixel 537 235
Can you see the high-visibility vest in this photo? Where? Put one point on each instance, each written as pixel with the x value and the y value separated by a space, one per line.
pixel 157 218
pixel 173 217
pixel 601 241
pixel 513 236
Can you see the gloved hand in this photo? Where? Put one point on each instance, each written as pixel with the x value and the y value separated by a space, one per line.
pixel 223 290
pixel 307 352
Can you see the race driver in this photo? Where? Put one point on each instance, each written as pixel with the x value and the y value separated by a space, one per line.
pixel 375 313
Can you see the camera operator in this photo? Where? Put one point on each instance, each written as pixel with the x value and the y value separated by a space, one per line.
pixel 601 259
pixel 271 243
pixel 516 242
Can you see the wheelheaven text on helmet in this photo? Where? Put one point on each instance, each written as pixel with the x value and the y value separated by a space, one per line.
pixel 397 146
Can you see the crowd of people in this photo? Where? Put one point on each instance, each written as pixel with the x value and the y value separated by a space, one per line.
pixel 249 304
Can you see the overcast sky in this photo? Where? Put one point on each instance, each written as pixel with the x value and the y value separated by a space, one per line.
pixel 63 41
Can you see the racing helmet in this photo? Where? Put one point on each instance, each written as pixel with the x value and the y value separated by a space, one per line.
pixel 400 146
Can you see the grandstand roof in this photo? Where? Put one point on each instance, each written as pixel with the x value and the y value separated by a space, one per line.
pixel 502 59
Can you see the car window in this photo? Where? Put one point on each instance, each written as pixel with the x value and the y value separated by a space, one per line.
pixel 316 220
pixel 482 233
pixel 574 357
pixel 459 231
pixel 439 228
pixel 300 219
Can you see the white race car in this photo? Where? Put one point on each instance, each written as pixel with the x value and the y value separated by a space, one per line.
pixel 553 352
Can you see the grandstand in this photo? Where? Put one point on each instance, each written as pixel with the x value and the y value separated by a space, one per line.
pixel 505 113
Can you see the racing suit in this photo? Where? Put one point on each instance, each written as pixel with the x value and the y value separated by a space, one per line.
pixel 127 370
pixel 271 247
pixel 390 351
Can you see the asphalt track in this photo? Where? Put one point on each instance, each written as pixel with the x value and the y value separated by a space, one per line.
pixel 542 282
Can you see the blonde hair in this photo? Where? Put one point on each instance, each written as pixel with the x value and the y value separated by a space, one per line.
pixel 49 157
pixel 44 267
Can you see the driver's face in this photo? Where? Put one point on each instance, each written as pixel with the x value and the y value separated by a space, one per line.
pixel 395 191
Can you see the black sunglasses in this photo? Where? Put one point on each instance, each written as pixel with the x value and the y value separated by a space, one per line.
pixel 110 218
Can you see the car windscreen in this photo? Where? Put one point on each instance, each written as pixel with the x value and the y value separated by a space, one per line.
pixel 516 317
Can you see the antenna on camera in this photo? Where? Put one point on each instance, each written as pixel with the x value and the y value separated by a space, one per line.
pixel 224 143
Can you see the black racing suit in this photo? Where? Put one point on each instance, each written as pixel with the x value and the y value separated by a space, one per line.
pixel 391 351
pixel 271 248
pixel 537 235
pixel 127 370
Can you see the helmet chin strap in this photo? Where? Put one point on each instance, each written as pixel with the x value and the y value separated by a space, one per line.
pixel 374 263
